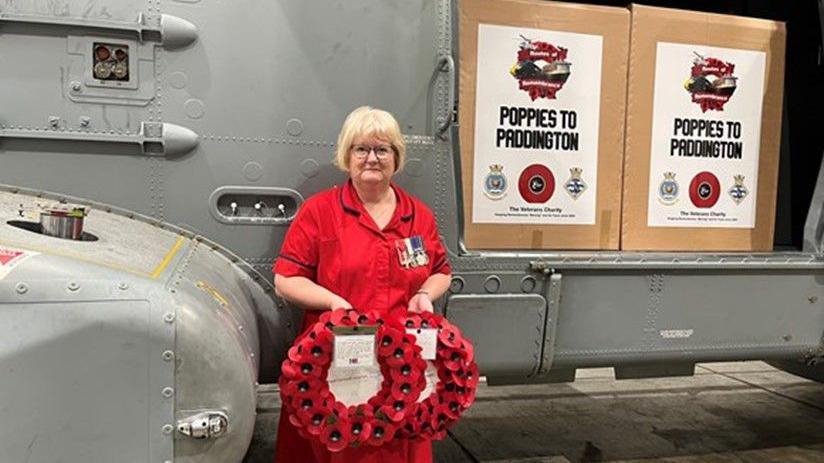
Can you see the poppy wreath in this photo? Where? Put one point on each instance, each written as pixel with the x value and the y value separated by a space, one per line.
pixel 457 381
pixel 312 407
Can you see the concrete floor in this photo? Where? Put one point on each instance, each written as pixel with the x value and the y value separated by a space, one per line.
pixel 727 412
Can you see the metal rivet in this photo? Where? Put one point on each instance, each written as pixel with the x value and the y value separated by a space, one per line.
pixel 22 288
pixel 167 428
pixel 528 284
pixel 456 285
pixel 85 121
pixel 169 317
pixel 73 286
pixel 168 392
pixel 492 284
pixel 240 327
pixel 252 355
pixel 168 355
pixel 54 121
pixel 813 299
pixel 76 86
pixel 123 286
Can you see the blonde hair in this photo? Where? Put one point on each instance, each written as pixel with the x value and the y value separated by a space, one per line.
pixel 369 122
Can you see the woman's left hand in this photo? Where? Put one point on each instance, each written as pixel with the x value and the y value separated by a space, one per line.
pixel 420 303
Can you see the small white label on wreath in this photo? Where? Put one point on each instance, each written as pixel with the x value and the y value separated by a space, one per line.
pixel 427 338
pixel 354 350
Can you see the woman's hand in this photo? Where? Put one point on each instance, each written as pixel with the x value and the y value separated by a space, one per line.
pixel 337 302
pixel 420 302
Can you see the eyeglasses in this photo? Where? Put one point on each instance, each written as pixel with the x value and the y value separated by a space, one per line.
pixel 381 151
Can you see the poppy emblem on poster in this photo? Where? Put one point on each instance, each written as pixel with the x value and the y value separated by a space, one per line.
pixel 541 68
pixel 704 190
pixel 711 82
pixel 536 184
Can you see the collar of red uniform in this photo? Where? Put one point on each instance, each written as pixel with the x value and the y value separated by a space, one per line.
pixel 352 204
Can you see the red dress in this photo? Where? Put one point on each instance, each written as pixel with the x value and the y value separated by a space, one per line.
pixel 334 242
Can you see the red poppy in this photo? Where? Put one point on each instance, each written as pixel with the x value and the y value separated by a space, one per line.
pixel 368 318
pixel 360 426
pixel 402 355
pixel 451 405
pixel 404 390
pixel 295 420
pixel 472 375
pixel 342 317
pixel 406 372
pixel 289 369
pixel 452 359
pixel 468 349
pixel 335 436
pixel 308 369
pixel 449 336
pixel 439 417
pixel 413 320
pixel 307 389
pixel 313 417
pixel 395 410
pixel 388 341
pixel 381 432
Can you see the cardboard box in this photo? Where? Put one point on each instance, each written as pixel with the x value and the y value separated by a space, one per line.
pixel 704 105
pixel 542 97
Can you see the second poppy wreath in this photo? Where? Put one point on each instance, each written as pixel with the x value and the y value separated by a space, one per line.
pixel 457 373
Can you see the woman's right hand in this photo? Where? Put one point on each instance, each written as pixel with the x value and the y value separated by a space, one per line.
pixel 337 302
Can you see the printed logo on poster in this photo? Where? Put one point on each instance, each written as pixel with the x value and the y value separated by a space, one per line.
pixel 711 82
pixel 738 191
pixel 575 185
pixel 668 189
pixel 541 68
pixel 705 189
pixel 495 182
pixel 536 183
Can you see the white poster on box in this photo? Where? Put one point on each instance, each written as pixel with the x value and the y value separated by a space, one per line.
pixel 706 132
pixel 536 126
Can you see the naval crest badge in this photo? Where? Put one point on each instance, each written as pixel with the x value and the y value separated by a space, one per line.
pixel 495 182
pixel 738 191
pixel 668 189
pixel 575 185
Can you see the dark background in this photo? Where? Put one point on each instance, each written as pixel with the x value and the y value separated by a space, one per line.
pixel 803 127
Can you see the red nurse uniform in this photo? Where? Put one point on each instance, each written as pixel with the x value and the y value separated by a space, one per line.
pixel 334 242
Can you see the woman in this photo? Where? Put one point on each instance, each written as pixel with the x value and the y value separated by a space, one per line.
pixel 367 244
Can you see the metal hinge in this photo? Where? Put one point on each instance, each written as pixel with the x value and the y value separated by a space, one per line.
pixel 205 425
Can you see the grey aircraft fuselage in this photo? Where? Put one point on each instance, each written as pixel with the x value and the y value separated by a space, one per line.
pixel 221 118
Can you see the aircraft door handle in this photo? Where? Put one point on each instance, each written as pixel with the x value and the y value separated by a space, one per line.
pixel 446 64
pixel 154 138
pixel 171 31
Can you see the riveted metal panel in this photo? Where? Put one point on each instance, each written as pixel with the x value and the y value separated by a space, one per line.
pixel 611 318
pixel 74 369
pixel 507 330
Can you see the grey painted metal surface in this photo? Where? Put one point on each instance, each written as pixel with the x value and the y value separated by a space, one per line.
pixel 108 345
pixel 265 86
pixel 513 347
